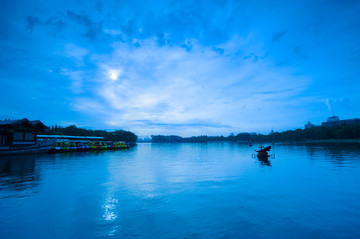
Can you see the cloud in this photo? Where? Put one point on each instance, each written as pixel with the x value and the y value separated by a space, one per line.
pixel 218 50
pixel 328 104
pixel 129 27
pixel 187 45
pixel 161 39
pixel 99 6
pixel 339 105
pixel 32 22
pixel 252 56
pixel 92 28
pixel 76 53
pixel 77 78
pixel 169 87
pixel 57 23
pixel 278 35
pixel 300 52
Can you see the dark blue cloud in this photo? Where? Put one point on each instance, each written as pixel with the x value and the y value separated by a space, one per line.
pixel 93 29
pixel 300 52
pixel 161 39
pixel 278 35
pixel 187 45
pixel 32 22
pixel 57 23
pixel 129 27
pixel 218 50
pixel 252 56
pixel 99 6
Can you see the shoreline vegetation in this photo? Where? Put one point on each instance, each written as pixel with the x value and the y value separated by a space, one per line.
pixel 316 134
pixel 117 135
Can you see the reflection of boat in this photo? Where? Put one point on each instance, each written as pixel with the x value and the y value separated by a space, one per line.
pixel 263 152
pixel 264 160
pixel 20 137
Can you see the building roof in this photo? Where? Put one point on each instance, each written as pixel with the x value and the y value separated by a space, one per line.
pixel 333 118
pixel 23 122
pixel 38 124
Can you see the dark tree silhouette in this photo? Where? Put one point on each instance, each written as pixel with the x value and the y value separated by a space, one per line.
pixel 117 135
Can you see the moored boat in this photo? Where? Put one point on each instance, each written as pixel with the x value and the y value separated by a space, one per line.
pixel 87 146
pixel 56 148
pixel 80 146
pixel 65 146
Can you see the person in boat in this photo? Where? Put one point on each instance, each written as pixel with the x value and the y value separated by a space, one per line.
pixel 263 150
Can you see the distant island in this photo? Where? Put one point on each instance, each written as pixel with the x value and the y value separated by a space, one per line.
pixel 332 129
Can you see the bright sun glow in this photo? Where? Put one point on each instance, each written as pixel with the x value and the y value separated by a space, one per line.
pixel 114 74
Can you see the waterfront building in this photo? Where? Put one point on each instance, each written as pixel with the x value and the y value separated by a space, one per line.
pixel 309 125
pixel 334 120
pixel 19 133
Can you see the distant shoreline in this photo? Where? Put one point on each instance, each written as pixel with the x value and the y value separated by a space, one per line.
pixel 330 141
pixel 268 142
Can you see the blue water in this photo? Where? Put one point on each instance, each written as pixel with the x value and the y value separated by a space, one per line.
pixel 214 190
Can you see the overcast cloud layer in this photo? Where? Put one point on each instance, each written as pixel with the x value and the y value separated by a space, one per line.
pixel 180 67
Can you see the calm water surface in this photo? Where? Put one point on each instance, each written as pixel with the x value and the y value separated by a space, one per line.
pixel 214 190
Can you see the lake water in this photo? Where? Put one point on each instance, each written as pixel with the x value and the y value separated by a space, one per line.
pixel 214 190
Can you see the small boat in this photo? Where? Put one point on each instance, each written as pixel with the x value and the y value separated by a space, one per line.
pixel 111 146
pixel 98 146
pixel 263 152
pixel 117 145
pixel 104 146
pixel 65 147
pixel 80 146
pixel 87 146
pixel 56 148
pixel 72 147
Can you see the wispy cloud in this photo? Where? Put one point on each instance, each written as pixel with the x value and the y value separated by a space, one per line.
pixel 170 86
pixel 92 28
pixel 278 35
pixel 31 22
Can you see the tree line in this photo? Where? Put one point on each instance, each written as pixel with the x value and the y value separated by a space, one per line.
pixel 117 135
pixel 314 133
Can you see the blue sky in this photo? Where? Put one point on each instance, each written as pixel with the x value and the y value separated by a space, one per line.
pixel 180 67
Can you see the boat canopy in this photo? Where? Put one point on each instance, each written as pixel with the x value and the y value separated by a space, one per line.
pixel 40 136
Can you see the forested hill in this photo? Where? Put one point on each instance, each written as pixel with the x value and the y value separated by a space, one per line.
pixel 117 135
pixel 314 133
